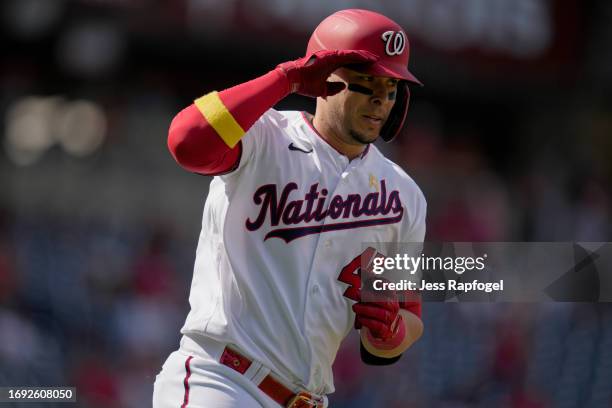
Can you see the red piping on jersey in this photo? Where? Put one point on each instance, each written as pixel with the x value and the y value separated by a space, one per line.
pixel 186 381
pixel 363 154
pixel 367 149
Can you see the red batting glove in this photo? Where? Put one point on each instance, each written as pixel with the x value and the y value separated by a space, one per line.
pixel 380 316
pixel 308 75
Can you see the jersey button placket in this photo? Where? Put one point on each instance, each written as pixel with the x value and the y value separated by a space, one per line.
pixel 317 376
pixel 319 267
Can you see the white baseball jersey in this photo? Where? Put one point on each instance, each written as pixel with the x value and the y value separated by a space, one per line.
pixel 277 232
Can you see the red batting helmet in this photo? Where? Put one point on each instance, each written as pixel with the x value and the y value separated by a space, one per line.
pixel 356 29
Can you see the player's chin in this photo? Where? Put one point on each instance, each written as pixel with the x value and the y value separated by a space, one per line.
pixel 364 136
pixel 370 129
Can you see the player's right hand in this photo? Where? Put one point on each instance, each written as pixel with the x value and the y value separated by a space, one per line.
pixel 308 75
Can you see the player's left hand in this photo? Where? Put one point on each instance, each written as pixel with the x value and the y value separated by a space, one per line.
pixel 308 75
pixel 380 314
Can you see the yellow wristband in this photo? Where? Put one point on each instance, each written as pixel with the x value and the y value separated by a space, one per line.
pixel 220 118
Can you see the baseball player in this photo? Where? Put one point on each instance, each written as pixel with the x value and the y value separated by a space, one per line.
pixel 276 284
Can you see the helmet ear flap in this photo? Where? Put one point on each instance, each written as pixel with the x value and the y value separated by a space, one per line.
pixel 396 118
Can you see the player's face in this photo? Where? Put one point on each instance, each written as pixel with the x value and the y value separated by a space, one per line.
pixel 362 116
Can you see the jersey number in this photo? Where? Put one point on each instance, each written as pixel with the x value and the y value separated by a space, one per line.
pixel 351 273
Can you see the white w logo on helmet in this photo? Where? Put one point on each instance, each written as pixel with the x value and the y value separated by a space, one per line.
pixel 395 42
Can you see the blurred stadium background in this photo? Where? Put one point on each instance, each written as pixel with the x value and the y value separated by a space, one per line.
pixel 510 139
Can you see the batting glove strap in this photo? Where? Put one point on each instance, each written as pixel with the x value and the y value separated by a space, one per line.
pixel 379 317
pixel 398 334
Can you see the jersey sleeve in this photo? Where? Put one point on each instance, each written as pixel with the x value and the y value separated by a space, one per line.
pixel 255 144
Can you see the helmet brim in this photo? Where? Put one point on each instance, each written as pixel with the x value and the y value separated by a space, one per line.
pixel 386 69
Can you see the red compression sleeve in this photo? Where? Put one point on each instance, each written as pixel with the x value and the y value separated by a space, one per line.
pixel 411 301
pixel 195 144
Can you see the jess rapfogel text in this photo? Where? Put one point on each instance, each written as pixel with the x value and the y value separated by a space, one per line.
pixel 452 285
pixel 412 264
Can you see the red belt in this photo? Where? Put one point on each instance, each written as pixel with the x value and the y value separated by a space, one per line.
pixel 269 385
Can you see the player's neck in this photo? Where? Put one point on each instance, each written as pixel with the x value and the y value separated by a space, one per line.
pixel 329 134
